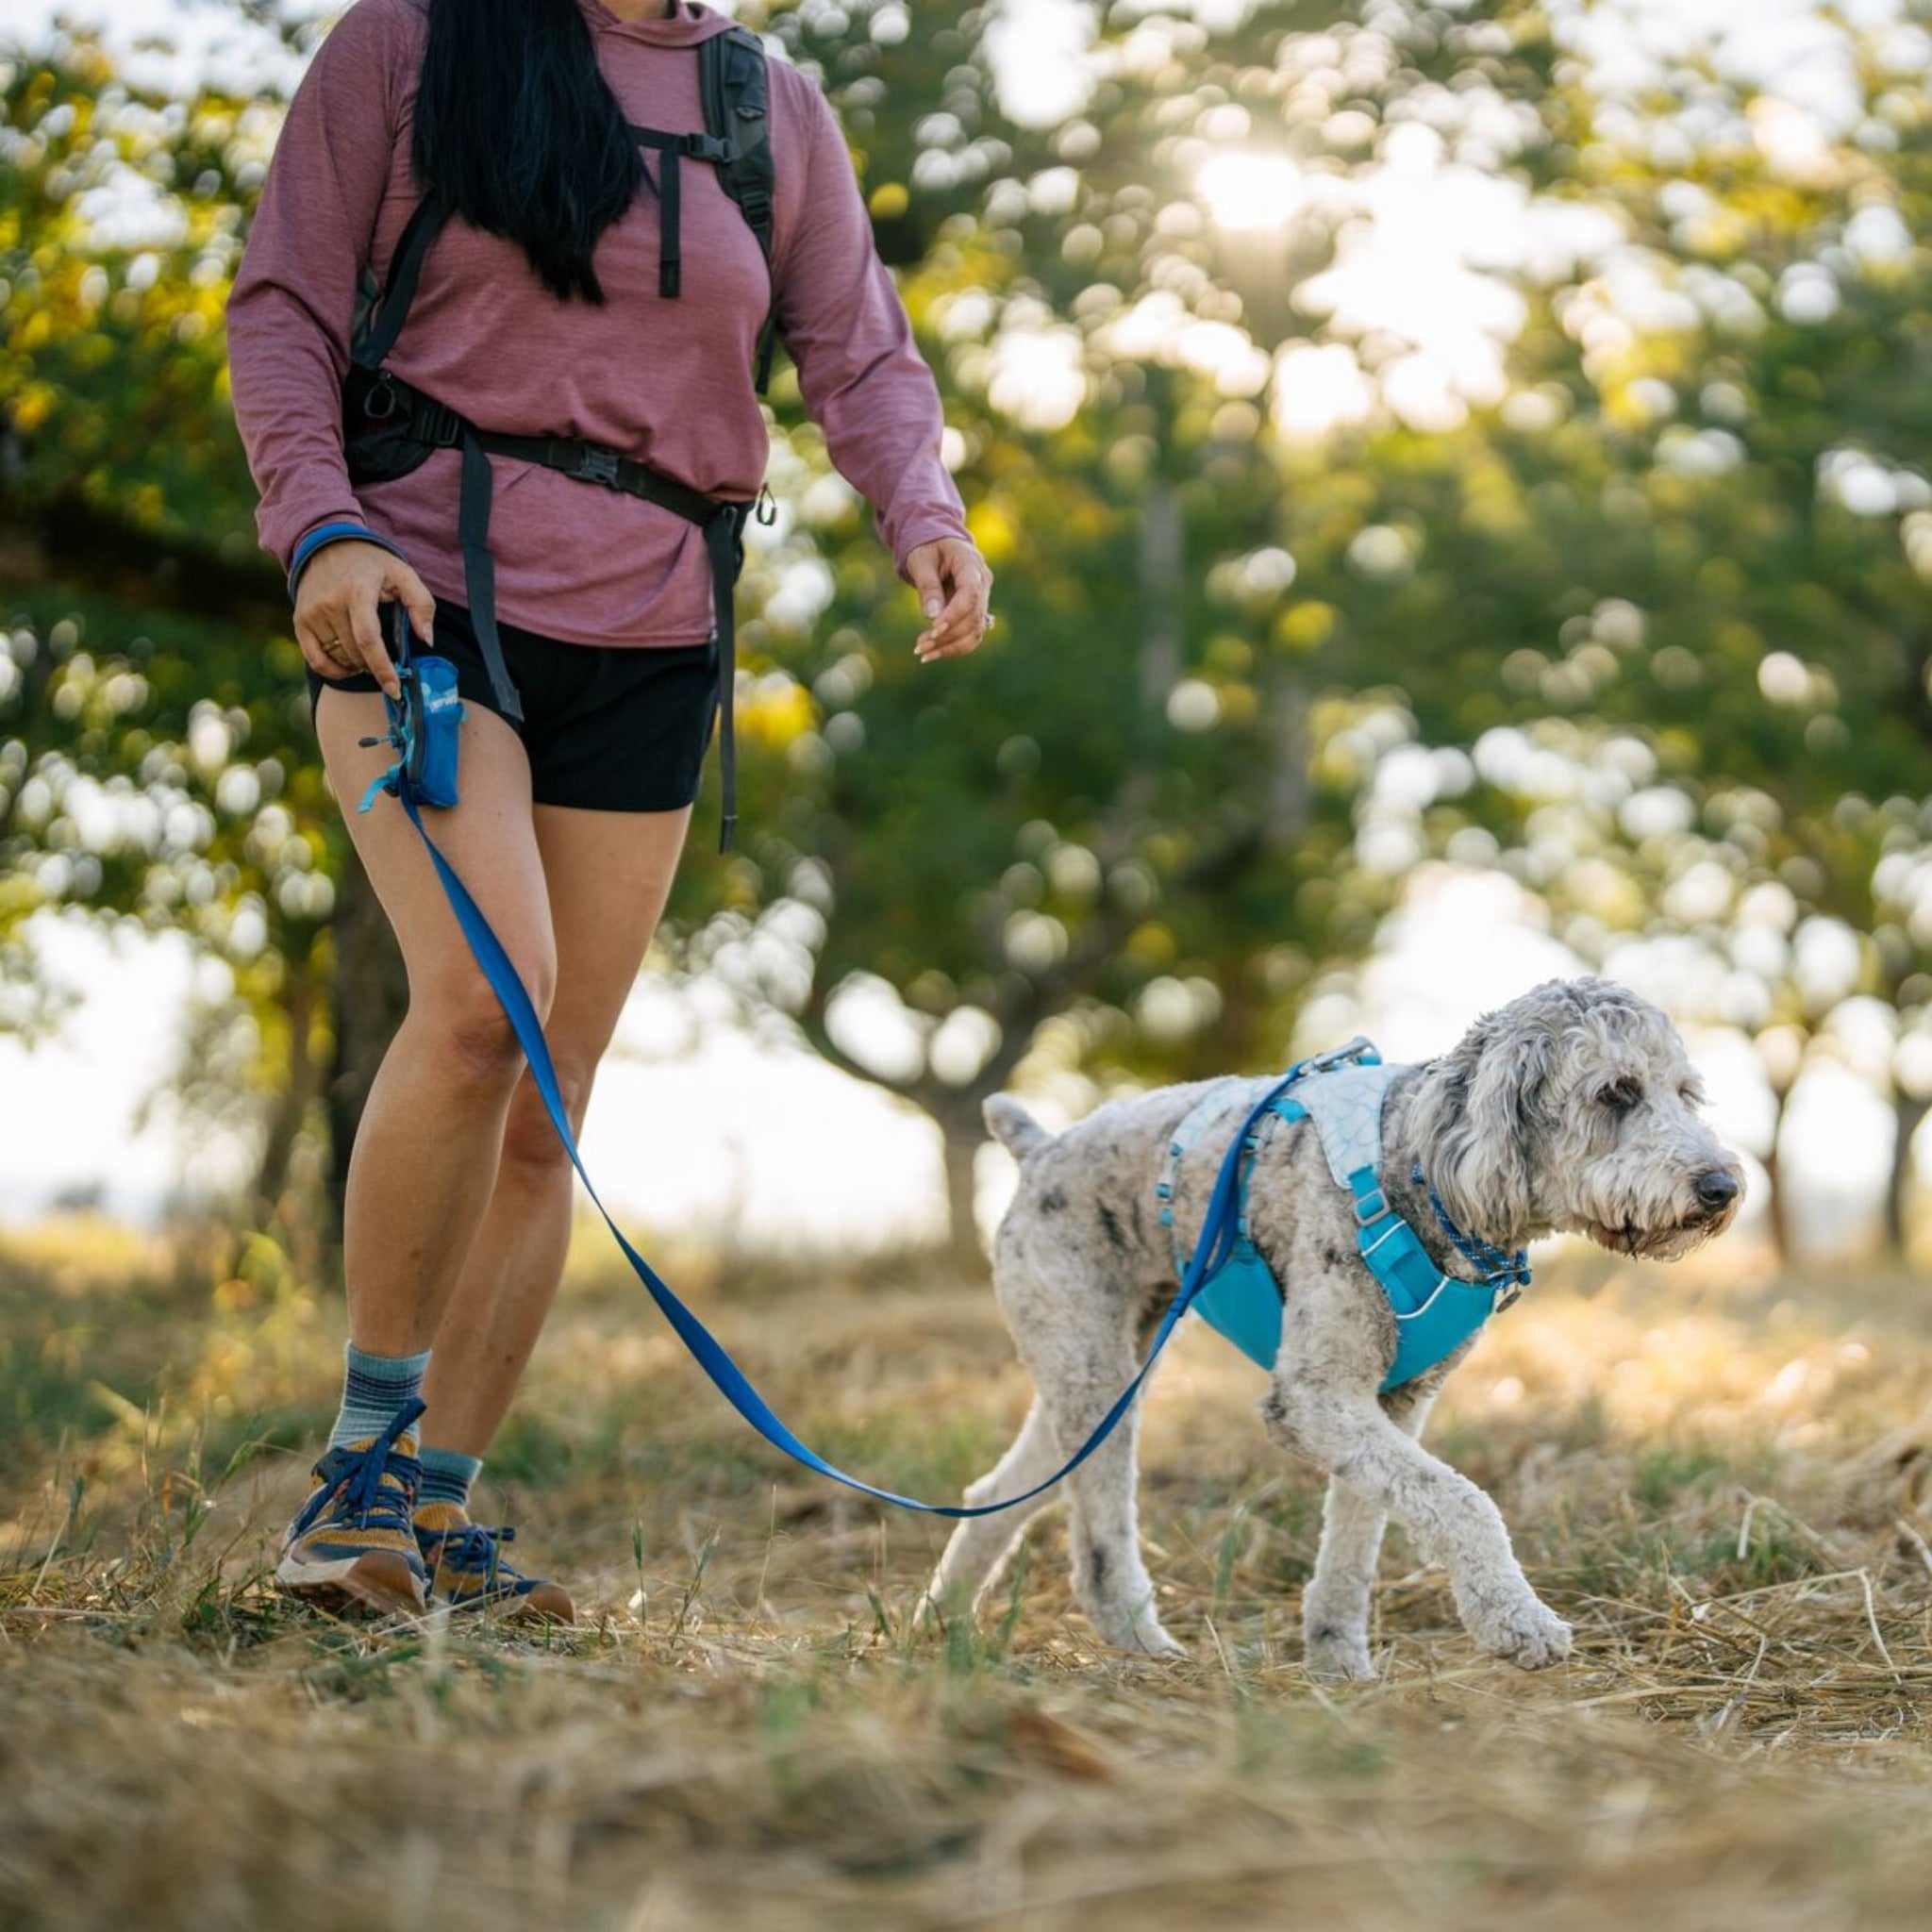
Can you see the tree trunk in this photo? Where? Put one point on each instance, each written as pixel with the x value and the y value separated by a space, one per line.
pixel 66 540
pixel 291 1105
pixel 1777 1219
pixel 1163 546
pixel 1908 1115
pixel 369 995
pixel 965 1133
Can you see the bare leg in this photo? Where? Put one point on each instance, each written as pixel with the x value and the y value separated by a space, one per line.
pixel 1335 1605
pixel 420 1176
pixel 608 874
pixel 981 1547
pixel 1345 1432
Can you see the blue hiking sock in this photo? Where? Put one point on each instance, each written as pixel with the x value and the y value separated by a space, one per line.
pixel 447 1474
pixel 374 1388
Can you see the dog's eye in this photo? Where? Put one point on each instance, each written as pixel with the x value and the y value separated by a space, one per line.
pixel 1620 1096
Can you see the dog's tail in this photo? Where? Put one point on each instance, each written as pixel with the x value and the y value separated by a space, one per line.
pixel 1015 1129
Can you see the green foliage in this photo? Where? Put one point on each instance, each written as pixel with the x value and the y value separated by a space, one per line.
pixel 1642 618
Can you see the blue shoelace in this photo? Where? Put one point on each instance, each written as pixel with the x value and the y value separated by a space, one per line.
pixel 352 1481
pixel 475 1550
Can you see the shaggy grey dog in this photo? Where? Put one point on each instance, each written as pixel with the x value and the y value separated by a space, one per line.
pixel 1571 1108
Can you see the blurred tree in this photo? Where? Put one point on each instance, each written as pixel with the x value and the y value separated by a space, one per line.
pixel 1612 572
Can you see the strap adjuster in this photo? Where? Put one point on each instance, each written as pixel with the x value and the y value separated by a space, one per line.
pixel 596 463
pixel 1370 1206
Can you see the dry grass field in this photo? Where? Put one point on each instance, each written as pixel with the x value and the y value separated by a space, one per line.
pixel 1722 1480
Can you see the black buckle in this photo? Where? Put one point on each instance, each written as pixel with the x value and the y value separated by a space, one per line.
pixel 438 422
pixel 596 463
pixel 707 147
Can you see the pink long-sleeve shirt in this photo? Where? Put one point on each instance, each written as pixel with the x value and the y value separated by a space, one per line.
pixel 669 381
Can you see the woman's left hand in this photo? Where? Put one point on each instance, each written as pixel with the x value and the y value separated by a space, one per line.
pixel 954 584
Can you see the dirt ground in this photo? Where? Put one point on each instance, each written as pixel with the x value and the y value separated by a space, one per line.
pixel 1721 1479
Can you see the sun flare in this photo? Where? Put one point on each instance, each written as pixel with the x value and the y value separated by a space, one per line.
pixel 1249 192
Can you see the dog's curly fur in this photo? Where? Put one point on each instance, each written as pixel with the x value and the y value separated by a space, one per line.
pixel 1571 1108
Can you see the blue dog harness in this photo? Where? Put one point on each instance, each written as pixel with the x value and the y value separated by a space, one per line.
pixel 1341 1092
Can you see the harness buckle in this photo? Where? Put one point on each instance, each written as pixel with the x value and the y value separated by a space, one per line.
pixel 1370 1206
pixel 596 463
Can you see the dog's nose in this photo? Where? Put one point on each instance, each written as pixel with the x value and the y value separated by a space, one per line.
pixel 1715 1188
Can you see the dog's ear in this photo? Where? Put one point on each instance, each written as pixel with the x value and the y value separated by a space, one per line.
pixel 1477 1123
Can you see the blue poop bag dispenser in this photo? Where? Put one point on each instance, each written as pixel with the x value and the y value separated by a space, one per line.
pixel 423 722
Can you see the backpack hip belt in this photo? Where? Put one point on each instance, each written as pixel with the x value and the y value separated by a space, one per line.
pixel 390 427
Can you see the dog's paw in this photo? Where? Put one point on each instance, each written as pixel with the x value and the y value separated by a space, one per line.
pixel 1339 1658
pixel 1528 1634
pixel 1152 1640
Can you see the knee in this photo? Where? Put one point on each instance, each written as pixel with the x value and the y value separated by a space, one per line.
pixel 475 1040
pixel 531 1144
pixel 1306 1421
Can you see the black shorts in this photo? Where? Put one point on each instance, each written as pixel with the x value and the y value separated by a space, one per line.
pixel 606 727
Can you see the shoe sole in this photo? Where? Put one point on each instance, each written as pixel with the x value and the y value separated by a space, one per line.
pixel 509 1609
pixel 375 1581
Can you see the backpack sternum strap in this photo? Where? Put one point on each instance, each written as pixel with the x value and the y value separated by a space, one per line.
pixel 669 189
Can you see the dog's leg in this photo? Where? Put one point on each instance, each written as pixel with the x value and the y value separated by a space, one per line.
pixel 980 1549
pixel 1452 1520
pixel 1335 1605
pixel 1110 1581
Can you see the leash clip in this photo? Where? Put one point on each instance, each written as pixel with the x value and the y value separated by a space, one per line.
pixel 1360 1047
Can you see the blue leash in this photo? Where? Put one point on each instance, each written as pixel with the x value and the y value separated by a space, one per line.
pixel 1217 1234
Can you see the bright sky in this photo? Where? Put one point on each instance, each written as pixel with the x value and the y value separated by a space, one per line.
pixel 775 1143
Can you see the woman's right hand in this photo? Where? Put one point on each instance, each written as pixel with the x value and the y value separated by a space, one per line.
pixel 336 603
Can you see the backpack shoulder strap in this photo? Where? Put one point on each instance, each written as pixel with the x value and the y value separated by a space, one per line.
pixel 381 312
pixel 733 85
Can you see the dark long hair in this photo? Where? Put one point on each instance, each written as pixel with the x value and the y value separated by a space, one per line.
pixel 518 133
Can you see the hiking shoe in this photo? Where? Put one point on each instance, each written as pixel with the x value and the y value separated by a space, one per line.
pixel 352 1546
pixel 468 1570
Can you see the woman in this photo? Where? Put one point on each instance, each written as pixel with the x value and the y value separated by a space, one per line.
pixel 584 287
